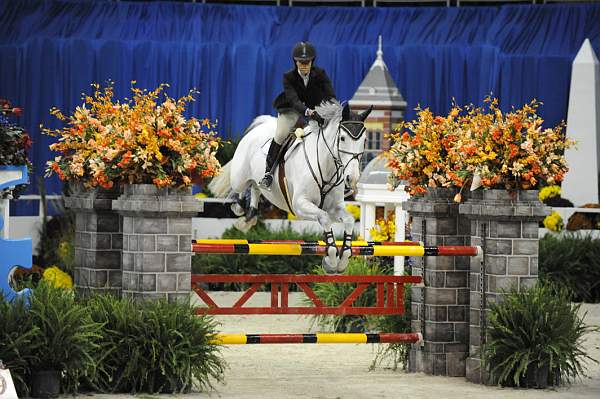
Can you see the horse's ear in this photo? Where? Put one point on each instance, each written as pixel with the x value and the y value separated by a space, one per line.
pixel 346 112
pixel 365 114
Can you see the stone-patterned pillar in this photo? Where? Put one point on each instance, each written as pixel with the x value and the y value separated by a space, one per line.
pixel 157 241
pixel 440 307
pixel 505 225
pixel 98 240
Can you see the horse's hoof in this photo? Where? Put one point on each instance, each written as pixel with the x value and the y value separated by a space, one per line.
pixel 244 225
pixel 342 266
pixel 237 209
pixel 328 266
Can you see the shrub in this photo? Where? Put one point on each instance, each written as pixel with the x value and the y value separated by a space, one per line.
pixel 572 261
pixel 153 347
pixel 535 338
pixel 18 345
pixel 235 264
pixel 65 333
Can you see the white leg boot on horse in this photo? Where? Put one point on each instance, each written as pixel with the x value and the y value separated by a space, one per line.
pixel 345 217
pixel 249 220
pixel 237 207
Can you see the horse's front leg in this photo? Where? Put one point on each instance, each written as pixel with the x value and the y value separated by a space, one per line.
pixel 308 210
pixel 340 213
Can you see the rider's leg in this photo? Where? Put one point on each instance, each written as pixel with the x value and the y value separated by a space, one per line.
pixel 285 123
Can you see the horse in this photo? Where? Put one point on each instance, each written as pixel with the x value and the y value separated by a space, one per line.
pixel 318 164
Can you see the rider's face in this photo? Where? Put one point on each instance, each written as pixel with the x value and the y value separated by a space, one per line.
pixel 304 66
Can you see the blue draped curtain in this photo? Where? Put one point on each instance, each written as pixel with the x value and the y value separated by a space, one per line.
pixel 50 52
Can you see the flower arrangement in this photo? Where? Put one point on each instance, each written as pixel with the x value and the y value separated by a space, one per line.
pixel 554 222
pixel 384 229
pixel 14 142
pixel 425 153
pixel 482 144
pixel 141 140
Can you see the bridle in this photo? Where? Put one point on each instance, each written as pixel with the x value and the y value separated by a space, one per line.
pixel 337 178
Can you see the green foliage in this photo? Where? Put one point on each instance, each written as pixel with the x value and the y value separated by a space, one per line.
pixel 18 345
pixel 334 294
pixel 235 264
pixel 536 329
pixel 394 354
pixel 66 334
pixel 153 347
pixel 572 261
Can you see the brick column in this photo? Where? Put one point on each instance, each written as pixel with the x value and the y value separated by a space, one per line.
pixel 157 241
pixel 440 307
pixel 506 226
pixel 98 240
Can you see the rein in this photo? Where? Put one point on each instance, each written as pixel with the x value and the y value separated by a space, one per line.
pixel 337 178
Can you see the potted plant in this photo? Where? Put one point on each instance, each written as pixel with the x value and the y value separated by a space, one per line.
pixel 143 148
pixel 536 338
pixel 66 337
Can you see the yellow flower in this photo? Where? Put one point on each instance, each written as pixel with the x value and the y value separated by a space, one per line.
pixel 354 210
pixel 384 230
pixel 549 192
pixel 554 222
pixel 58 278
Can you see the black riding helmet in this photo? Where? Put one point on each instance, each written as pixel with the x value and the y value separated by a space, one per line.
pixel 304 51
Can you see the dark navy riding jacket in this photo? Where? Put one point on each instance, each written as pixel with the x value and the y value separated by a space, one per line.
pixel 299 97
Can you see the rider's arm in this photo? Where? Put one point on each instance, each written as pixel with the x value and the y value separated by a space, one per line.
pixel 292 96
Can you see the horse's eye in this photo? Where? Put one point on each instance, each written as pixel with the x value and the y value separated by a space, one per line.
pixel 342 138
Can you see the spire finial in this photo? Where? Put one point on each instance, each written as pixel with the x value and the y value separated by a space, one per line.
pixel 379 50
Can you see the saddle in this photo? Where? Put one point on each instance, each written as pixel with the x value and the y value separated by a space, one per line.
pixel 289 146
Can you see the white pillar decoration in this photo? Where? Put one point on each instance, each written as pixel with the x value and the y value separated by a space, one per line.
pixel 370 196
pixel 583 125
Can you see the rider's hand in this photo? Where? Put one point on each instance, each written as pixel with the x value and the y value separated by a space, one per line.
pixel 316 117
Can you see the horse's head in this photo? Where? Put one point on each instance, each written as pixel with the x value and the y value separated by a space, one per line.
pixel 345 136
pixel 350 143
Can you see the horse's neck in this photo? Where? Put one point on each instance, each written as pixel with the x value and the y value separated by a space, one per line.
pixel 320 144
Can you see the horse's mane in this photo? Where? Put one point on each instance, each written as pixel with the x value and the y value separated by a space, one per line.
pixel 330 109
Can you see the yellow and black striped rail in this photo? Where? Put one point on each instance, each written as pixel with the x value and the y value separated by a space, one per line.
pixel 318 338
pixel 310 249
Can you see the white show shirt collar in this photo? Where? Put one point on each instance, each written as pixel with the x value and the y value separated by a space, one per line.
pixel 304 78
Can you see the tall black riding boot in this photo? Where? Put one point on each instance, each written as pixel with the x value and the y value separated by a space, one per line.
pixel 272 156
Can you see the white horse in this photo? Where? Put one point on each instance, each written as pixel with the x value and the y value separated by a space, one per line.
pixel 317 166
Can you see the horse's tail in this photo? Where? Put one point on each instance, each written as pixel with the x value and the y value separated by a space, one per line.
pixel 220 185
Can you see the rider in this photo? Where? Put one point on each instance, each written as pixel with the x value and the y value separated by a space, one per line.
pixel 304 87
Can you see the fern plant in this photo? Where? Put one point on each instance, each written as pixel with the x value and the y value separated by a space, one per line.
pixel 18 345
pixel 153 347
pixel 535 338
pixel 65 333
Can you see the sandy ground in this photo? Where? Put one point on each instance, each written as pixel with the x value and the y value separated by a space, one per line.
pixel 342 370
